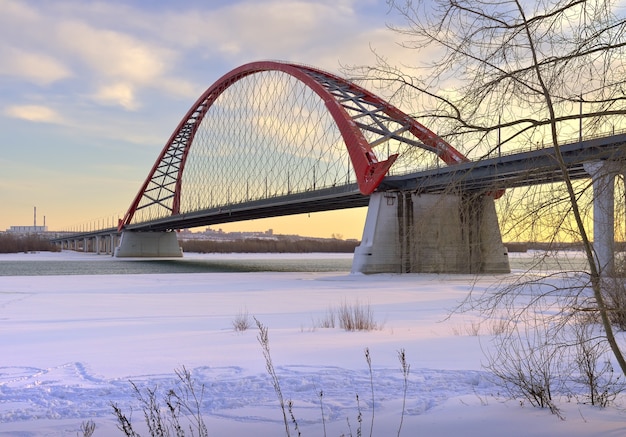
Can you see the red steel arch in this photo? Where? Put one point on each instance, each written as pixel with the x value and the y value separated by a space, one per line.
pixel 163 184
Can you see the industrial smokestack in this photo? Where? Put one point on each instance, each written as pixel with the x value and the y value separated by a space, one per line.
pixel 35 217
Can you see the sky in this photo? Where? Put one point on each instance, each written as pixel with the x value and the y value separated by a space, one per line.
pixel 91 91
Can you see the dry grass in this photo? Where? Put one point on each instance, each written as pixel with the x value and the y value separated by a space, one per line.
pixel 350 317
pixel 242 321
pixel 474 328
pixel 356 317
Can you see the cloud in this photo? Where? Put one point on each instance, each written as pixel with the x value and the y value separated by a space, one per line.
pixel 123 62
pixel 35 113
pixel 17 13
pixel 94 44
pixel 38 68
pixel 264 28
pixel 165 48
pixel 113 54
pixel 121 94
pixel 24 50
pixel 149 59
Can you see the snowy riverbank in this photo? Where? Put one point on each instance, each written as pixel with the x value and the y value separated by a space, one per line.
pixel 71 344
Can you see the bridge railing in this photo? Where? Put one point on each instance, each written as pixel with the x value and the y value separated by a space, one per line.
pixel 496 152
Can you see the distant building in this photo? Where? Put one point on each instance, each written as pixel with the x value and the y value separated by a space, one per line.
pixel 30 229
pixel 27 229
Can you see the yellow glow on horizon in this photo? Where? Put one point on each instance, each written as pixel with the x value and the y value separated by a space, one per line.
pixel 346 224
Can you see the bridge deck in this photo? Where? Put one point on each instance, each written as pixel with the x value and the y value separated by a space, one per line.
pixel 515 170
pixel 502 172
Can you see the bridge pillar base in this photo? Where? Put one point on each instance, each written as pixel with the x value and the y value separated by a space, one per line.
pixel 603 175
pixel 148 244
pixel 431 233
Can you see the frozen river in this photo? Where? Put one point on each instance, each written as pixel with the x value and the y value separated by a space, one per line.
pixel 71 343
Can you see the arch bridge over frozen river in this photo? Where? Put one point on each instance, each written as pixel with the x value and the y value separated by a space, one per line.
pixel 272 139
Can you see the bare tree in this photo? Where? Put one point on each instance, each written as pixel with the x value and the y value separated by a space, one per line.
pixel 493 76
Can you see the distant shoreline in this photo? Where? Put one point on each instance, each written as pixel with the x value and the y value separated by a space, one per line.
pixel 258 245
pixel 16 243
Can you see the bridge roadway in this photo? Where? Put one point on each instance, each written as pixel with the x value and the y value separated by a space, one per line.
pixel 514 170
pixel 501 172
pixel 491 174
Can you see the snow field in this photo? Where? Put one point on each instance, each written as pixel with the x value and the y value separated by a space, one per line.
pixel 71 344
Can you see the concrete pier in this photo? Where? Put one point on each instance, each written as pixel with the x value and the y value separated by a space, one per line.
pixel 603 175
pixel 431 233
pixel 148 244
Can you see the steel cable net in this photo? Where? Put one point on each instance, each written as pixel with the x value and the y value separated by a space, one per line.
pixel 268 135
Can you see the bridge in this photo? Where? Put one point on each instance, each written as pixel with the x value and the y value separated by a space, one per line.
pixel 270 139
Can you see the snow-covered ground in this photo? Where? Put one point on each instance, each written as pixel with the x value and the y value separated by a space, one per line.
pixel 69 345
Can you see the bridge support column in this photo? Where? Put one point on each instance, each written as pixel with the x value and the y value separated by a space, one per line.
pixel 114 242
pixel 603 175
pixel 148 244
pixel 430 233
